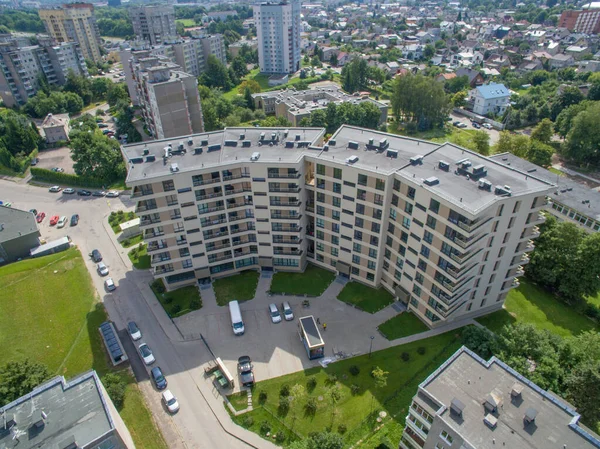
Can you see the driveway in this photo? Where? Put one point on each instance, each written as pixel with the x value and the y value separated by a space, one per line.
pixel 493 133
pixel 56 157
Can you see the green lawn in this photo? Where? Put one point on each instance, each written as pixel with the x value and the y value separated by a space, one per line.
pixel 180 301
pixel 366 298
pixel 353 410
pixel 531 304
pixel 241 287
pixel 188 23
pixel 128 243
pixel 239 400
pixel 402 325
pixel 44 321
pixel 139 257
pixel 556 171
pixel 116 218
pixel 312 282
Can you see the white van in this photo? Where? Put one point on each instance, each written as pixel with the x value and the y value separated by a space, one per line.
pixel 236 318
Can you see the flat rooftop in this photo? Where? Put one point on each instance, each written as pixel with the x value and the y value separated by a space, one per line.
pixel 470 380
pixel 75 413
pixel 573 194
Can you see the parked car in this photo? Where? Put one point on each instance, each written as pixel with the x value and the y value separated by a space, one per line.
pixel 102 125
pixel 57 169
pixel 476 125
pixel 462 125
pixel 146 354
pixel 134 331
pixel 245 369
pixel 83 192
pixel 112 194
pixel 274 313
pixel 110 285
pixel 487 126
pixel 54 219
pixel 287 311
pixel 40 217
pixel 74 219
pixel 69 191
pixel 33 211
pixel 106 131
pixel 102 269
pixel 7 204
pixel 34 161
pixel 158 378
pixel 55 189
pixel 99 193
pixel 170 401
pixel 456 122
pixel 96 256
pixel 62 221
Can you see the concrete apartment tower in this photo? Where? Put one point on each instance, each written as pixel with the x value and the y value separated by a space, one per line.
pixel 168 97
pixel 74 22
pixel 153 23
pixel 278 30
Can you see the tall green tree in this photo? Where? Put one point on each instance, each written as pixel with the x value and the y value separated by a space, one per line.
pixel 115 93
pixel 97 156
pixel 216 74
pixel 540 153
pixel 420 100
pixel 582 144
pixel 80 85
pixel 582 389
pixel 19 378
pixel 543 132
pixel 481 140
pixel 354 75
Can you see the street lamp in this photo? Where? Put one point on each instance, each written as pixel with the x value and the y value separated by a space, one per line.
pixel 371 345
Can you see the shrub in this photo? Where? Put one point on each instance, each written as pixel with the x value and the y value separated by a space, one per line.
pixel 354 370
pixel 284 405
pixel 158 286
pixel 175 309
pixel 284 390
pixel 354 389
pixel 332 379
pixel 342 429
pixel 405 356
pixel 248 421
pixel 168 299
pixel 311 406
pixel 265 427
pixel 195 304
pixel 115 387
pixel 41 174
pixel 421 350
pixel 385 443
pixel 311 383
pixel 592 312
pixel 262 397
pixel 280 437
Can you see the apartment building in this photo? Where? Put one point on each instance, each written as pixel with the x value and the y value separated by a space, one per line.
pixel 214 45
pixel 295 105
pixel 444 229
pixel 471 403
pixel 586 21
pixel 22 65
pixel 153 23
pixel 278 32
pixel 168 97
pixel 74 22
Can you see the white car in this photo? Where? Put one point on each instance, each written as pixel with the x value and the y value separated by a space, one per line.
pixel 487 126
pixel 112 194
pixel 62 222
pixel 102 269
pixel 134 331
pixel 55 189
pixel 287 311
pixel 170 401
pixel 110 285
pixel 146 354
pixel 274 313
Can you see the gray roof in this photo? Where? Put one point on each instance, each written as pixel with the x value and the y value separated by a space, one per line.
pixel 568 192
pixel 468 378
pixel 76 411
pixel 15 223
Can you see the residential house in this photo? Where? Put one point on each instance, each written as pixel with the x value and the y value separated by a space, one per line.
pixel 443 77
pixel 475 78
pixel 466 58
pixel 561 60
pixel 18 234
pixel 577 51
pixel 56 128
pixel 490 98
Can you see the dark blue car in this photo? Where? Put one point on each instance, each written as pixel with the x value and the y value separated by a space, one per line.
pixel 158 378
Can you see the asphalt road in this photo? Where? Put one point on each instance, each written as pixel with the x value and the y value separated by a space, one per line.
pixel 195 426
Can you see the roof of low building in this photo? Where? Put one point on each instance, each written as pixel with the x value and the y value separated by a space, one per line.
pixel 53 120
pixel 15 223
pixel 493 90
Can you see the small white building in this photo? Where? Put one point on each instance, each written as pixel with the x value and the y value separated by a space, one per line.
pixel 490 98
pixel 56 128
pixel 130 228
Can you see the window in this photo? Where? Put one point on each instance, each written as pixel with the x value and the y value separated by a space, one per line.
pixel 337 187
pixel 320 235
pixel 320 210
pixel 358 235
pixel 396 185
pixel 411 193
pixel 320 183
pixel 419 278
pixel 393 214
pixel 416 290
pixel 334 252
pixel 404 237
pixel 375 227
pixel 362 180
pixel 434 206
pixel 320 197
pixel 422 265
pixel 320 223
pixel 420 206
pixel 348 183
pixel 320 169
pixel 370 277
pixel 361 194
pixel 395 200
pixel 357 247
pixel 380 184
pixel 408 208
pixel 391 228
pixel 372 253
pixel 337 173
pixel 360 209
pixel 335 215
pixel 414 302
pixel 371 265
pixel 337 202
pixel 377 214
pixel 425 251
pixel 335 227
pixel 428 236
pixel 356 259
pixel 446 437
pixel 335 240
pixel 359 222
pixel 406 222
pixel 355 271
pixel 431 222
pixel 374 240
pixel 320 246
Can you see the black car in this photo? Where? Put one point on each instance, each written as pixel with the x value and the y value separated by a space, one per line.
pixel 98 193
pixel 158 378
pixel 96 256
pixel 83 192
pixel 33 211
pixel 245 370
pixel 74 220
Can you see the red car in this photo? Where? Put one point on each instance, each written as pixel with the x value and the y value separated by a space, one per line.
pixel 40 217
pixel 54 219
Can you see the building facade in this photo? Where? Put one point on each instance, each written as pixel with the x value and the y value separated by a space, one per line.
pixel 168 97
pixel 61 414
pixel 56 128
pixel 23 66
pixel 586 21
pixel 471 403
pixel 278 32
pixel 490 98
pixel 444 229
pixel 153 23
pixel 74 22
pixel 214 45
pixel 18 234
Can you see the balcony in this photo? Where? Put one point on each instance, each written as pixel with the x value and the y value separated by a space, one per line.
pixel 237 191
pixel 144 207
pixel 239 204
pixel 524 259
pixel 162 270
pixel 152 248
pixel 467 242
pixel 471 226
pixel 159 259
pixel 310 209
pixel 210 248
pixel 244 252
pixel 232 177
pixel 284 175
pixel 284 189
pixel 529 246
pixel 204 182
pixel 285 217
pixel 242 217
pixel 290 252
pixel 536 233
pixel 537 219
pixel 149 222
pixel 457 273
pixel 219 258
pixel 138 193
pixel 209 196
pixel 215 235
pixel 248 229
pixel 287 242
pixel 151 235
pixel 244 242
pixel 207 223
pixel 462 258
pixel 285 203
pixel 210 210
pixel 291 229
pixel 520 271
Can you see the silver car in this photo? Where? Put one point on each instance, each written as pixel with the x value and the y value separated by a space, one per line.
pixel 102 269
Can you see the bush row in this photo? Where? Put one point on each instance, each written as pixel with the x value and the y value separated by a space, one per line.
pixel 41 174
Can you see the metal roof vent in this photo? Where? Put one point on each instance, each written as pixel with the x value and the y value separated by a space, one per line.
pixel 352 160
pixel 432 181
pixel 457 407
pixel 503 190
pixel 492 402
pixel 444 165
pixel 416 160
pixel 242 136
pixel 530 415
pixel 174 168
pixel 255 156
pixel 353 145
pixel 516 390
pixel 484 184
pixel 491 421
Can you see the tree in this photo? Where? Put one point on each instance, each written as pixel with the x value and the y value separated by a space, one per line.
pixel 115 387
pixel 19 378
pixel 238 64
pixel 564 120
pixel 80 85
pixel 583 140
pixel 428 51
pixel 543 132
pixel 115 93
pixel 457 84
pixel 582 390
pixel 209 113
pixel 420 100
pixel 481 140
pixel 540 153
pixel 324 440
pixel 97 156
pixel 480 340
pixel 570 95
pixel 297 394
pixel 252 85
pixel 99 88
pixel 354 75
pixel 379 381
pixel 459 99
pixel 334 395
pixel 248 98
pixel 216 74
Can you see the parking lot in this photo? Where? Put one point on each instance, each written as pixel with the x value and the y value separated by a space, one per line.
pixel 493 133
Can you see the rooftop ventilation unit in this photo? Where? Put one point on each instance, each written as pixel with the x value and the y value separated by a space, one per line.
pixel 479 170
pixel 298 136
pixel 174 168
pixel 286 132
pixel 242 136
pixel 274 136
pixel 371 140
pixel 352 160
pixel 492 402
pixel 150 158
pixel 190 142
pixel 204 143
pixel 303 144
pixel 516 390
pixel 325 147
pixel 457 407
pixel 289 144
pixel 146 151
pixel 198 150
pixel 484 184
pixel 443 165
pixel 136 160
pixel 530 415
pixel 503 190
pixel 416 160
pixel 431 181
pixel 392 154
pixel 255 156
pixel 180 146
pixel 216 147
pixel 353 145
pixel 167 152
pixel 230 143
pixel 262 136
pixel 331 142
pixel 465 164
pixel 491 421
pixel 246 143
pixel 383 143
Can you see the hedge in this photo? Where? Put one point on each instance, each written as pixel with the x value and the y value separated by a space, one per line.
pixel 41 174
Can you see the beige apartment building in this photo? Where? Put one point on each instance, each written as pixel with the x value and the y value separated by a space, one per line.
pixel 444 229
pixel 74 22
pixel 471 403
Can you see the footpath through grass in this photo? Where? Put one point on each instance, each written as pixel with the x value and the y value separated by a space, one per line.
pixel 402 325
pixel 241 287
pixel 360 400
pixel 239 400
pixel 365 298
pixel 177 302
pixel 313 282
pixel 532 304
pixel 50 314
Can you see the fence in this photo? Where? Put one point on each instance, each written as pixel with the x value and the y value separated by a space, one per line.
pixel 497 125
